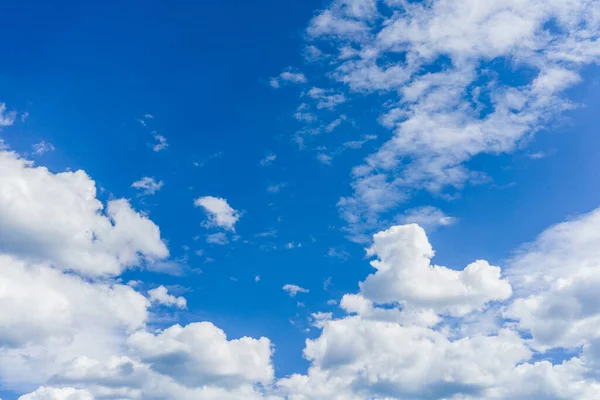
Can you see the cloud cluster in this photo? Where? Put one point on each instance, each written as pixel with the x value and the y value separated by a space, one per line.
pixel 69 330
pixel 459 334
pixel 437 67
pixel 412 330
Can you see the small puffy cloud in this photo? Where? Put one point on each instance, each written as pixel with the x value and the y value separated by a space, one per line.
pixel 268 160
pixel 219 238
pixel 219 212
pixel 57 218
pixel 42 147
pixel 428 217
pixel 288 77
pixel 293 290
pixel 148 185
pixel 161 296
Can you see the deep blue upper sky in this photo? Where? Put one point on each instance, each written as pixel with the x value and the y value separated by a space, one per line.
pixel 87 72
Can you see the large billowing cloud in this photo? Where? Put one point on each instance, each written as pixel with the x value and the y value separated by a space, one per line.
pixel 227 362
pixel 57 218
pixel 71 330
pixel 413 330
pixel 485 350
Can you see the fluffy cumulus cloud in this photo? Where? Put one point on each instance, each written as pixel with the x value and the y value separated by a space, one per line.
pixel 69 330
pixel 219 212
pixel 405 275
pixel 223 362
pixel 442 339
pixel 50 317
pixel 557 277
pixel 441 95
pixel 56 217
pixel 412 330
pixel 160 295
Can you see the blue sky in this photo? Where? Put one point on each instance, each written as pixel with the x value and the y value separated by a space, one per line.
pixel 270 141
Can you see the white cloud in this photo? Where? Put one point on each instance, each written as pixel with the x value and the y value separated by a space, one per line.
pixel 268 160
pixel 57 217
pixel 7 118
pixel 428 217
pixel 60 330
pixel 339 254
pixel 228 363
pixel 161 142
pixel 556 278
pixel 293 290
pixel 219 238
pixel 51 393
pixel 357 144
pixel 402 352
pixel 335 123
pixel 219 212
pixel 288 77
pixel 276 188
pixel 303 115
pixel 313 53
pixel 324 158
pixel 148 185
pixel 42 147
pixel 326 98
pixel 161 295
pixel 49 317
pixel 438 119
pixel 405 275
